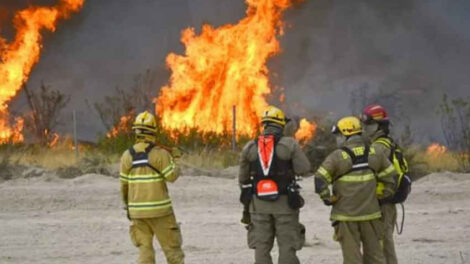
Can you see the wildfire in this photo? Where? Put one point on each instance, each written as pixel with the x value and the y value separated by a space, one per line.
pixel 19 57
pixel 223 67
pixel 436 150
pixel 306 130
pixel 122 126
pixel 54 140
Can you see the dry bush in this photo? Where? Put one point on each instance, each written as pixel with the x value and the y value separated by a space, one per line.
pixel 46 107
pixel 422 163
pixel 48 158
pixel 6 171
pixel 125 101
pixel 455 124
pixel 211 159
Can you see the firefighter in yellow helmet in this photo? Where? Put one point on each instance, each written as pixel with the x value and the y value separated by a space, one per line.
pixel 269 192
pixel 354 171
pixel 145 170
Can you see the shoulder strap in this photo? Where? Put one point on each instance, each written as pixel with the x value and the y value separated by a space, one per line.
pixel 361 162
pixel 132 152
pixel 389 143
pixel 358 163
pixel 140 159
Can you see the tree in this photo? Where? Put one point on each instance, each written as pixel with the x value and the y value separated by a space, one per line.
pixel 127 102
pixel 46 106
pixel 455 124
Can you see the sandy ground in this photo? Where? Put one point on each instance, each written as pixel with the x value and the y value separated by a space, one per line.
pixel 52 220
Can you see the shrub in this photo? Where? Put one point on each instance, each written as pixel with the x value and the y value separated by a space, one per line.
pixel 455 124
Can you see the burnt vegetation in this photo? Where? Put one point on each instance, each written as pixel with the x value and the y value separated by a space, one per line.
pixel 455 124
pixel 45 107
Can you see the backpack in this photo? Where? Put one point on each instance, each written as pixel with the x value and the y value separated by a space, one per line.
pixel 401 166
pixel 140 159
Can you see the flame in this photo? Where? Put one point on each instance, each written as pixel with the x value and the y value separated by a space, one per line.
pixel 306 130
pixel 19 57
pixel 122 126
pixel 223 67
pixel 436 150
pixel 9 133
pixel 54 140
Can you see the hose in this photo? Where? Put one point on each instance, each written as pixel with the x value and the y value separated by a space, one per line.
pixel 400 229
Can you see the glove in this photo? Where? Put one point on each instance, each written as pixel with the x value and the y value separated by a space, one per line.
pixel 331 200
pixel 246 218
pixel 176 152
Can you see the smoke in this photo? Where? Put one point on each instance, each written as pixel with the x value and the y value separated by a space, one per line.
pixel 409 51
pixel 415 50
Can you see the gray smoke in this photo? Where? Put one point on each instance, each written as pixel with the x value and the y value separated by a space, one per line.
pixel 404 54
pixel 411 50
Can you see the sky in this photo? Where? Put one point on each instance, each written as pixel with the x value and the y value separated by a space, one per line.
pixel 404 54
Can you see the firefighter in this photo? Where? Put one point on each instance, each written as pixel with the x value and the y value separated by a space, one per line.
pixel 268 166
pixel 376 128
pixel 354 170
pixel 145 170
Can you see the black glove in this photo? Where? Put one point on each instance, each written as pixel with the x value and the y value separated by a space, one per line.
pixel 246 218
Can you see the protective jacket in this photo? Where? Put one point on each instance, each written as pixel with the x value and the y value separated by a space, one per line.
pixel 290 161
pixel 145 169
pixel 355 187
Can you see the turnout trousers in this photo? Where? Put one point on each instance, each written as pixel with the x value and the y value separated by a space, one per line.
pixel 285 228
pixel 352 234
pixel 389 218
pixel 168 234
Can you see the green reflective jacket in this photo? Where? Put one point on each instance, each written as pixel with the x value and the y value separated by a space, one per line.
pixel 356 190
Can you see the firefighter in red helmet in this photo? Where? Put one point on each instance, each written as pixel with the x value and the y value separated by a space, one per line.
pixel 377 129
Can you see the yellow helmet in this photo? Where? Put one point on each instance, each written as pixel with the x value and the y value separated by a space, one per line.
pixel 274 115
pixel 145 125
pixel 348 126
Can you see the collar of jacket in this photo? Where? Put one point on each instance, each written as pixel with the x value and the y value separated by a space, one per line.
pixel 378 134
pixel 354 140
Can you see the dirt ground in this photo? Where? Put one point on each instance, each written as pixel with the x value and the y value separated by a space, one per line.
pixel 50 220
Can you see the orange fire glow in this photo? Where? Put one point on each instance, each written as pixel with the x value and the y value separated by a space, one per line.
pixel 436 150
pixel 122 126
pixel 223 67
pixel 19 57
pixel 306 130
pixel 54 140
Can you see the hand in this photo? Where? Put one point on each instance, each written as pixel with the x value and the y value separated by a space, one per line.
pixel 176 152
pixel 246 218
pixel 331 200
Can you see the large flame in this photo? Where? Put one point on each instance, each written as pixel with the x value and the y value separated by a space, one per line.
pixel 19 57
pixel 221 68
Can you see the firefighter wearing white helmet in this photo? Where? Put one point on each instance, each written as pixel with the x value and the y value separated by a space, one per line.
pixel 145 170
pixel 268 166
pixel 354 170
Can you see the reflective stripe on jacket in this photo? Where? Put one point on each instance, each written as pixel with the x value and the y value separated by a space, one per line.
pixel 143 189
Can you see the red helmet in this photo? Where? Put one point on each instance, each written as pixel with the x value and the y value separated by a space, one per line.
pixel 376 113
